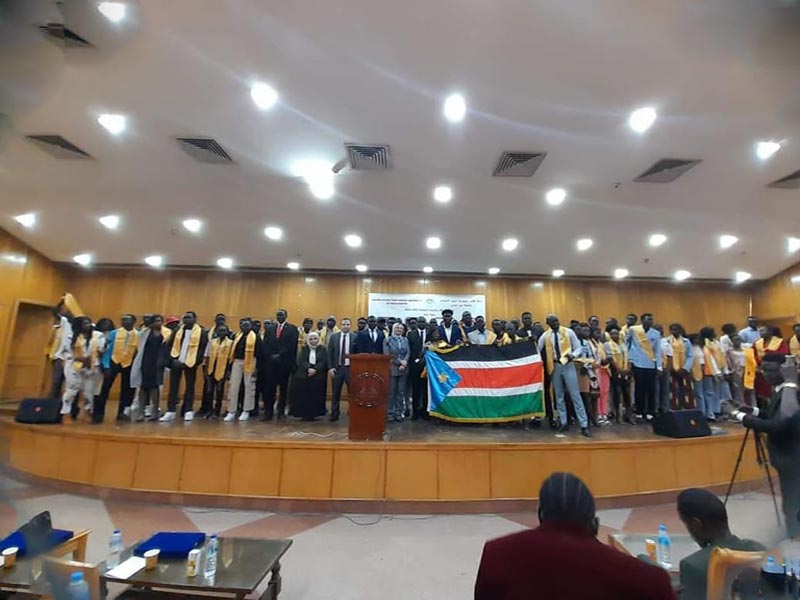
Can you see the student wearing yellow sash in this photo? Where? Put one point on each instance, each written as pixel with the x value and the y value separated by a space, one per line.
pixel 81 366
pixel 559 345
pixel 187 352
pixel 587 363
pixel 326 332
pixel 501 333
pixel 736 365
pixel 769 342
pixel 217 370
pixel 630 321
pixel 480 336
pixel 121 347
pixel 715 367
pixel 698 368
pixel 794 341
pixel 644 350
pixel 603 375
pixel 680 365
pixel 244 360
pixel 619 370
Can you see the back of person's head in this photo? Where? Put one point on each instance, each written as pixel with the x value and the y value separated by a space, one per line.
pixel 564 497
pixel 703 514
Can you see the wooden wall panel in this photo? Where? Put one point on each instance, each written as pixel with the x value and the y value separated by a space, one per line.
pixel 778 299
pixel 110 292
pixel 255 472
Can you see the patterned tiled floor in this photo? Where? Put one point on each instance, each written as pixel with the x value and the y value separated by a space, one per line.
pixel 350 557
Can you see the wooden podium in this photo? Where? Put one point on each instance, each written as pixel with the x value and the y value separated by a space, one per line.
pixel 368 395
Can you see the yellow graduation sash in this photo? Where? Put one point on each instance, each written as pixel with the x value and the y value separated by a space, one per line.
pixel 194 345
pixel 714 350
pixel 564 345
pixel 218 357
pixel 749 368
pixel 125 344
pixel 794 346
pixel 503 341
pixel 78 351
pixel 644 343
pixel 773 346
pixel 249 351
pixel 697 368
pixel 678 352
pixel 619 355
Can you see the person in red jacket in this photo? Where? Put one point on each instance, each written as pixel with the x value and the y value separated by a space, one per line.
pixel 562 558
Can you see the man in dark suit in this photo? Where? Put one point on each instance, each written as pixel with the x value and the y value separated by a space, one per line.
pixel 449 330
pixel 187 354
pixel 370 340
pixel 566 548
pixel 340 346
pixel 416 363
pixel 280 348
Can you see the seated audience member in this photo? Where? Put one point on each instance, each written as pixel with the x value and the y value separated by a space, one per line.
pixel 564 549
pixel 707 521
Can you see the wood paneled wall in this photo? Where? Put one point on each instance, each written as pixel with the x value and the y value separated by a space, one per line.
pixel 37 280
pixel 778 299
pixel 112 291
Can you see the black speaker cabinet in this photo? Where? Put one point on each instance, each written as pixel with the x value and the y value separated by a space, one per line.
pixel 681 424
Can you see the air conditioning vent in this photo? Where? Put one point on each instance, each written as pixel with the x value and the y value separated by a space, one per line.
pixel 64 35
pixel 369 157
pixel 205 150
pixel 790 182
pixel 518 164
pixel 667 169
pixel 57 146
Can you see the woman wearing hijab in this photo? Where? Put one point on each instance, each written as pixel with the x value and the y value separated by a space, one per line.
pixel 396 346
pixel 307 400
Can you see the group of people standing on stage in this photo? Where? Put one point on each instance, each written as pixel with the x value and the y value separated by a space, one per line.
pixel 614 373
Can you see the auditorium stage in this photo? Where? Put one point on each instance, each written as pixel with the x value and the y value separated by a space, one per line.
pixel 421 466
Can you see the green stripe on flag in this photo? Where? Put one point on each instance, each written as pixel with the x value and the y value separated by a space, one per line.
pixel 490 409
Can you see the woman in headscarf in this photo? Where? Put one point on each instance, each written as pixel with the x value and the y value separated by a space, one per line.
pixel 396 346
pixel 307 399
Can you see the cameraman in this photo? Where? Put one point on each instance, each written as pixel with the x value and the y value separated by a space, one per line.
pixel 781 422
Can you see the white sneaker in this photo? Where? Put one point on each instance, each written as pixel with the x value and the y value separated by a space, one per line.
pixel 189 416
pixel 66 407
pixel 245 416
pixel 148 411
pixel 126 411
pixel 167 417
pixel 231 416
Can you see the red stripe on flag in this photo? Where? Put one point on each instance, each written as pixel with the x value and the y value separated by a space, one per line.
pixel 501 377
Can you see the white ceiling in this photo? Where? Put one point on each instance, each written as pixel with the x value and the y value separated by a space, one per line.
pixel 544 75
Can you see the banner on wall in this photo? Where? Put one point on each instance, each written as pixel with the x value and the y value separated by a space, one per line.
pixel 425 305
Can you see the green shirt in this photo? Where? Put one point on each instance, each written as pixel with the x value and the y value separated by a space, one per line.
pixel 694 568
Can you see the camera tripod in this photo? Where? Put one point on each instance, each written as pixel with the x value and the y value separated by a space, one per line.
pixel 763 461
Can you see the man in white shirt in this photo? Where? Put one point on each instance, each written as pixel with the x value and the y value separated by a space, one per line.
pixel 449 329
pixel 339 345
pixel 480 336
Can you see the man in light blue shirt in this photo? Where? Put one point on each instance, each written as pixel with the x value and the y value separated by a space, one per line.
pixel 644 350
pixel 750 333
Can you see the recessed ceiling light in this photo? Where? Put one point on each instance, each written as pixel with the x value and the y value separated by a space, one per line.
pixel 494 270
pixel 225 262
pixel 766 149
pixel 793 244
pixel 273 232
pixel 83 259
pixel 556 196
pixel 293 265
pixel 795 279
pixel 353 240
pixel 510 244
pixel 558 272
pixel 537 284
pixel 15 258
pixel 193 225
pixel 318 175
pixel 322 190
pixel 113 11
pixel 455 107
pixel 27 220
pixel 442 194
pixel 682 275
pixel 309 279
pixel 109 221
pixel 155 260
pixel 741 276
pixel 114 124
pixel 433 243
pixel 584 244
pixel 657 239
pixel 367 280
pixel 263 95
pixel 620 273
pixel 726 241
pixel 427 269
pixel 480 283
pixel 362 268
pixel 422 281
pixel 642 118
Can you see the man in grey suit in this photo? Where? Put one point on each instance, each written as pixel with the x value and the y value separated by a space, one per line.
pixel 339 346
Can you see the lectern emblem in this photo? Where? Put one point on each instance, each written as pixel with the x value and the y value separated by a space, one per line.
pixel 367 389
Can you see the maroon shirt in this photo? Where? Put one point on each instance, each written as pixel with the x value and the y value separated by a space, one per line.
pixel 562 560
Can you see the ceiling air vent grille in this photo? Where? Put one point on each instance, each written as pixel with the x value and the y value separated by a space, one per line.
pixel 518 164
pixel 369 157
pixel 790 182
pixel 64 35
pixel 205 150
pixel 57 146
pixel 667 169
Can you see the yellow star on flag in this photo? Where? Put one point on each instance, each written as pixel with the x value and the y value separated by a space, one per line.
pixel 443 378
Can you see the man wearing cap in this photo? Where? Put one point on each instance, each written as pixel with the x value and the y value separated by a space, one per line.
pixel 449 331
pixel 566 550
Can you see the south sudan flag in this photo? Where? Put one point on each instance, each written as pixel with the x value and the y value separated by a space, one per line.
pixel 485 384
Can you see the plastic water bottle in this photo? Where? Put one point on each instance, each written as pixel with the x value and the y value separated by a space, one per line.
pixel 78 588
pixel 772 572
pixel 210 567
pixel 114 549
pixel 664 547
